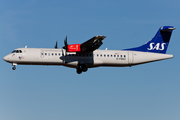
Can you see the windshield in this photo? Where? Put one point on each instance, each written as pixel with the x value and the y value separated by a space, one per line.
pixel 16 51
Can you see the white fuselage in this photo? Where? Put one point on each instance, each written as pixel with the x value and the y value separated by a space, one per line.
pixel 116 58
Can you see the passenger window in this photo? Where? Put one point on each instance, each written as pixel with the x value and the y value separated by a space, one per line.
pixel 41 53
pixel 124 55
pixel 104 55
pixel 97 55
pixel 111 55
pixel 117 55
pixel 107 55
pixel 45 53
pixel 114 55
pixel 59 54
pixel 52 54
pixel 55 54
pixel 101 55
pixel 121 55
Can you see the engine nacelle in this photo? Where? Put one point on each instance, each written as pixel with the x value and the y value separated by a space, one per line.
pixel 74 48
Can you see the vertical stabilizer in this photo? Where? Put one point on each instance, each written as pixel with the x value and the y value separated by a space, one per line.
pixel 159 43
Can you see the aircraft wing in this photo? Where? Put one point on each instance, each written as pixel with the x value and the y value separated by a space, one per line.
pixel 92 44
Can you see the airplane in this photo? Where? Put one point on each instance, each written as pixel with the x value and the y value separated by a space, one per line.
pixel 87 55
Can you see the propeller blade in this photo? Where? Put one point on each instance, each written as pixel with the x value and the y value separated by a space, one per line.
pixel 65 43
pixel 56 46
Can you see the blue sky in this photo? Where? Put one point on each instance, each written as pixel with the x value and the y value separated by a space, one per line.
pixel 143 92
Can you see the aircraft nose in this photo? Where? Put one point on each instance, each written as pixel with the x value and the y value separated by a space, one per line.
pixel 5 58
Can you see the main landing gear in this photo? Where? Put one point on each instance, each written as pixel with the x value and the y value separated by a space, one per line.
pixel 81 68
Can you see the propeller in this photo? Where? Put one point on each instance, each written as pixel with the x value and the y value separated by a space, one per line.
pixel 66 45
pixel 56 46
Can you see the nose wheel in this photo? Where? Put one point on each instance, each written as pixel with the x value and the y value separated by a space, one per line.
pixel 14 67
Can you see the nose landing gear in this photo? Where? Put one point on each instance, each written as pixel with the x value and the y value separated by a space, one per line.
pixel 14 66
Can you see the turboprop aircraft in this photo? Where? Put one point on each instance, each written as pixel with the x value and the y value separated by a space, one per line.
pixel 87 55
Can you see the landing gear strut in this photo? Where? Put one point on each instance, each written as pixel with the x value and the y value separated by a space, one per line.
pixel 81 68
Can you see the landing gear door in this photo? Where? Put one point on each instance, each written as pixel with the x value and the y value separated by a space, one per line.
pixel 130 58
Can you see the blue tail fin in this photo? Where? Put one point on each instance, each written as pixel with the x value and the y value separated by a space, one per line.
pixel 159 43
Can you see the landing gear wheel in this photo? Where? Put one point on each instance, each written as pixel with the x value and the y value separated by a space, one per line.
pixel 79 70
pixel 14 68
pixel 84 68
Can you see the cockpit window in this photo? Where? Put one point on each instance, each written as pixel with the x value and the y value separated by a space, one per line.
pixel 13 51
pixel 17 51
